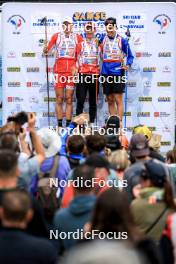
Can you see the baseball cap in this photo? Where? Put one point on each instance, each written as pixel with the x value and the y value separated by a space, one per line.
pixel 113 122
pixel 113 142
pixel 155 171
pixel 139 145
pixel 155 142
pixel 67 19
pixel 50 141
pixel 142 129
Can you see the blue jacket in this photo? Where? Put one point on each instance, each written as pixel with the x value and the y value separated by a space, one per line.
pixel 112 68
pixel 73 218
pixel 61 173
pixel 68 131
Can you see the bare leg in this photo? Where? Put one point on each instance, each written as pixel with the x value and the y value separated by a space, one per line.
pixel 69 104
pixel 111 104
pixel 59 102
pixel 119 103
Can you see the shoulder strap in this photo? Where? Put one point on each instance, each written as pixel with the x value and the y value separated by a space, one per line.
pixel 52 172
pixel 156 221
pixel 55 166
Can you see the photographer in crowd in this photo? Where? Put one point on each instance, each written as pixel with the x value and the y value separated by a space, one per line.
pixel 12 137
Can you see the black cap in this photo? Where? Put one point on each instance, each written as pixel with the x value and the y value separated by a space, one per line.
pixel 113 142
pixel 113 122
pixel 155 172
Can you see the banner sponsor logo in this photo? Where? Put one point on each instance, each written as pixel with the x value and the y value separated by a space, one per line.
pixel 138 41
pixel 149 69
pixel 50 55
pixel 89 16
pixel 33 84
pixel 163 21
pixel 51 114
pixel 17 22
pixel 147 84
pixel 11 55
pixel 14 99
pixel 165 143
pixel 164 84
pixel 51 22
pixel 51 99
pixel 131 84
pixel 145 99
pixel 166 130
pixel 13 69
pixel 33 99
pixel 166 69
pixel 43 88
pixel 164 99
pixel 14 84
pixel 143 54
pixel 165 54
pixel 33 69
pixel 132 21
pixel 127 114
pixel 28 54
pixel 161 114
pixel 143 114
pixel 41 42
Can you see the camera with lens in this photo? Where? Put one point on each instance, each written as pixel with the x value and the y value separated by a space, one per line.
pixel 21 118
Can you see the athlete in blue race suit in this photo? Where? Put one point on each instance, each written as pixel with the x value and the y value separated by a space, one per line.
pixel 114 50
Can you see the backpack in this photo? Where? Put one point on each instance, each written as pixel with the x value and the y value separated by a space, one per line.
pixel 46 195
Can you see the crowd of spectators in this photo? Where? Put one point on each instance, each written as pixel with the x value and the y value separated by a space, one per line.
pixel 86 197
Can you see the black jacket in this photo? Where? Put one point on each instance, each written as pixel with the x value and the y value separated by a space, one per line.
pixel 37 226
pixel 18 247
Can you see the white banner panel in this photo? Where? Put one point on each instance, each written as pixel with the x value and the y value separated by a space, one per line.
pixel 151 80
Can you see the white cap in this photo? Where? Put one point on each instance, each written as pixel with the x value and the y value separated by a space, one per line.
pixel 68 19
pixel 50 141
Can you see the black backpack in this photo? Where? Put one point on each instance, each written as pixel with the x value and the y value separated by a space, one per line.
pixel 46 195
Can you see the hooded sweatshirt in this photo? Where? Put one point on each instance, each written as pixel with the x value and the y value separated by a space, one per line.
pixel 73 219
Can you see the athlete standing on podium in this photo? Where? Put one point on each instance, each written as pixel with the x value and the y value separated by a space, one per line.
pixel 114 50
pixel 67 46
pixel 89 71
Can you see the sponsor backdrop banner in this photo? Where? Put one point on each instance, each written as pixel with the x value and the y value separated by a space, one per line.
pixel 151 80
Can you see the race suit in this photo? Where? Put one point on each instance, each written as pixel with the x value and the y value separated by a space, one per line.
pixel 67 50
pixel 89 71
pixel 114 51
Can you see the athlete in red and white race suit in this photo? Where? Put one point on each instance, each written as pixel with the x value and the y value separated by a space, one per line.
pixel 67 46
pixel 88 72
